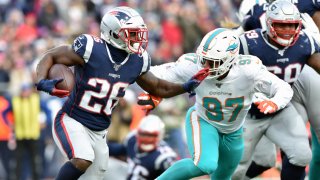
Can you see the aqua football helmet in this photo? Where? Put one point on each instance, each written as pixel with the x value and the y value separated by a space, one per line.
pixel 150 132
pixel 283 12
pixel 124 28
pixel 218 50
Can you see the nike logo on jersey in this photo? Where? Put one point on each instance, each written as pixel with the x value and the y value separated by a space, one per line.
pixel 114 75
pixel 283 60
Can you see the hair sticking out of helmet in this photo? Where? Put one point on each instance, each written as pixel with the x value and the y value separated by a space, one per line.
pixel 124 28
pixel 218 50
pixel 283 22
pixel 150 132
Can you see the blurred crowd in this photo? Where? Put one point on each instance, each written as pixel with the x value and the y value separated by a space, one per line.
pixel 30 27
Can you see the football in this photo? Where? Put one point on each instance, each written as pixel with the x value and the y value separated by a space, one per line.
pixel 60 71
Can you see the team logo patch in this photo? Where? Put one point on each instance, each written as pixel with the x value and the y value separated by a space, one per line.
pixel 77 45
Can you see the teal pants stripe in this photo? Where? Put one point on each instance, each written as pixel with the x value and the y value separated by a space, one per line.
pixel 315 161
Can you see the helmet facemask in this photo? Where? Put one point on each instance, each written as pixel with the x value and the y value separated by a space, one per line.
pixel 150 132
pixel 136 39
pixel 218 50
pixel 217 67
pixel 124 28
pixel 279 36
pixel 285 14
pixel 147 141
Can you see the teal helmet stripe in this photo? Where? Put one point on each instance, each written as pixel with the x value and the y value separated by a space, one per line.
pixel 211 37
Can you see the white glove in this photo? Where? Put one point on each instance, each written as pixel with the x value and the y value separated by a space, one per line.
pixel 311 27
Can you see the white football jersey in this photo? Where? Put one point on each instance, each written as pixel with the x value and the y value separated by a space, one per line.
pixel 225 103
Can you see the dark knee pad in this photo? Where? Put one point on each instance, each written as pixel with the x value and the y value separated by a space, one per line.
pixel 69 171
pixel 255 169
pixel 291 171
pixel 81 164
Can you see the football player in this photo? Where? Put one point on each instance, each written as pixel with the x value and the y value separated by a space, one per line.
pixel 284 50
pixel 147 154
pixel 104 67
pixel 214 124
pixel 306 88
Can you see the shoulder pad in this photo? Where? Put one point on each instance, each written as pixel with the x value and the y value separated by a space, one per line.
pixel 83 45
pixel 189 58
pixel 146 62
pixel 129 136
pixel 249 65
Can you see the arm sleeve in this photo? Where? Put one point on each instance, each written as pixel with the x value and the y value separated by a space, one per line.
pixel 279 91
pixel 164 161
pixel 243 45
pixel 178 72
pixel 146 62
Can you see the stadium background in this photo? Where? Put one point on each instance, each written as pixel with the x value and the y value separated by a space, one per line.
pixel 30 27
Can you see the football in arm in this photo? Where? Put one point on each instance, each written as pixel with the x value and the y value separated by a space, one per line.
pixel 60 71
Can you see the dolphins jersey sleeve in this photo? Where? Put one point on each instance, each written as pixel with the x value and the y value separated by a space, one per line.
pixel 180 71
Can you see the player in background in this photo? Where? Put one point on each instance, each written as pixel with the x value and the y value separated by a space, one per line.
pixel 284 50
pixel 246 6
pixel 147 154
pixel 306 88
pixel 104 67
pixel 214 124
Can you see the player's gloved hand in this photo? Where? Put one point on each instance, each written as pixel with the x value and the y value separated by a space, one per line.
pixel 310 26
pixel 195 81
pixel 266 106
pixel 148 101
pixel 48 86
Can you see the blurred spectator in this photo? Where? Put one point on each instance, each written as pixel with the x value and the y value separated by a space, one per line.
pixel 20 73
pixel 125 117
pixel 191 31
pixel 172 37
pixel 48 15
pixel 27 32
pixel 26 108
pixel 28 28
pixel 173 111
pixel 76 17
pixel 4 70
pixel 6 135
